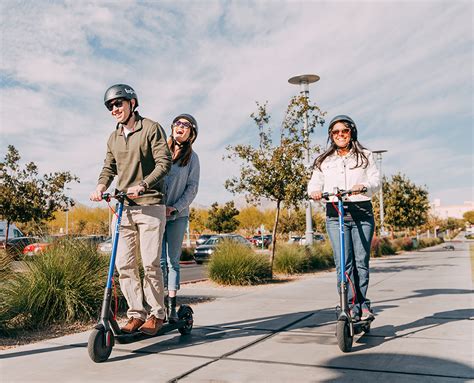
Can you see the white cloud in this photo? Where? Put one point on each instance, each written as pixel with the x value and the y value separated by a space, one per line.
pixel 402 69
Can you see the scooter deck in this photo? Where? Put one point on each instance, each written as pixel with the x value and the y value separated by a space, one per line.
pixel 136 336
pixel 362 325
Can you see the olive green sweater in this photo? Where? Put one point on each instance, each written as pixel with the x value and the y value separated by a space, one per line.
pixel 142 156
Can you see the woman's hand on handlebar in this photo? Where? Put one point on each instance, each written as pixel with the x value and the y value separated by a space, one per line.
pixel 358 189
pixel 97 194
pixel 316 195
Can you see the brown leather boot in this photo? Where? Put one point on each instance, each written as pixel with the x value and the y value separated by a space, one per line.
pixel 132 325
pixel 151 326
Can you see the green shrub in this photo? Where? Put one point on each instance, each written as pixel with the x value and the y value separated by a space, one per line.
pixel 64 284
pixel 236 264
pixel 428 242
pixel 405 243
pixel 321 256
pixel 381 246
pixel 291 259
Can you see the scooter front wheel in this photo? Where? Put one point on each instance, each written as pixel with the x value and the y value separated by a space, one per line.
pixel 97 346
pixel 343 334
pixel 185 313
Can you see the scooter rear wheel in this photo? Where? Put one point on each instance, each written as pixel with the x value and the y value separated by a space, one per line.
pixel 186 313
pixel 343 334
pixel 96 346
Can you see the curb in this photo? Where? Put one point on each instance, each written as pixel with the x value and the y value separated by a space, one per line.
pixel 187 262
pixel 194 281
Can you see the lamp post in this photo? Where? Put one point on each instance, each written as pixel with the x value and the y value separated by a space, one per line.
pixel 67 215
pixel 378 158
pixel 303 81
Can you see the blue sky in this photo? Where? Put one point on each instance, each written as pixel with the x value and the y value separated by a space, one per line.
pixel 401 69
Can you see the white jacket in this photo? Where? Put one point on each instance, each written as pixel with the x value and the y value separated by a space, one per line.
pixel 336 172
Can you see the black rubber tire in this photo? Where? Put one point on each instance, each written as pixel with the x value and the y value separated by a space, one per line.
pixel 343 334
pixel 186 314
pixel 96 347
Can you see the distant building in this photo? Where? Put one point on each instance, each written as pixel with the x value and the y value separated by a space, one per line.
pixel 451 211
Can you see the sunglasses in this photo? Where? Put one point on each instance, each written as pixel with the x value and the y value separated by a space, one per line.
pixel 184 124
pixel 336 132
pixel 116 103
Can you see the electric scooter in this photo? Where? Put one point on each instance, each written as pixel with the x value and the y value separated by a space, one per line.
pixel 107 331
pixel 346 326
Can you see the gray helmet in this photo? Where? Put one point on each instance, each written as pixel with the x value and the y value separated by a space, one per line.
pixel 120 91
pixel 192 120
pixel 347 119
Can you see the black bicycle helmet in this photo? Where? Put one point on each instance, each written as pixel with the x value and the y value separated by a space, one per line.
pixel 347 119
pixel 192 120
pixel 120 91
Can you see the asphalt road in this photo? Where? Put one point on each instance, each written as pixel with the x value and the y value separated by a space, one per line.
pixel 193 272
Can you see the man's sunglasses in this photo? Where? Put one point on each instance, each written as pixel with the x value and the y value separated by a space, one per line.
pixel 184 124
pixel 117 103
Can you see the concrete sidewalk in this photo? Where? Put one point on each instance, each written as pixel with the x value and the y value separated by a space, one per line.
pixel 284 332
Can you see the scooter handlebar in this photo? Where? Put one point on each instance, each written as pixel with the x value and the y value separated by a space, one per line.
pixel 341 193
pixel 119 195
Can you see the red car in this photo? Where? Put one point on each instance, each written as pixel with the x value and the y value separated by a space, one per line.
pixel 35 248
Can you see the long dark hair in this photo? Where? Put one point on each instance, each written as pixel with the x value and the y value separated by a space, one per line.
pixel 181 153
pixel 354 145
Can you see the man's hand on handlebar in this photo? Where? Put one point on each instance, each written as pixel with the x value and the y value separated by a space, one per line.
pixel 135 191
pixel 97 194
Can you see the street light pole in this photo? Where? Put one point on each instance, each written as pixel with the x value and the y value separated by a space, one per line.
pixel 303 81
pixel 378 157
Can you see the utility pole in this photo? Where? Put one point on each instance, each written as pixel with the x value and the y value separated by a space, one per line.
pixel 378 158
pixel 303 81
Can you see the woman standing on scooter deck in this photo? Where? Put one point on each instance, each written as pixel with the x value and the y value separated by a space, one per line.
pixel 181 185
pixel 347 165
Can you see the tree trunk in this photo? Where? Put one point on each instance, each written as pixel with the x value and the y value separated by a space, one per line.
pixel 277 216
pixel 6 234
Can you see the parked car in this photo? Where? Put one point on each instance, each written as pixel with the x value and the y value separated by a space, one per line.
pixel 266 239
pixel 203 238
pixel 13 231
pixel 36 247
pixel 204 251
pixel 15 246
pixel 301 239
pixel 316 238
pixel 105 247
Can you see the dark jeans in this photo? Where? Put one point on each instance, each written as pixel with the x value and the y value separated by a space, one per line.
pixel 357 239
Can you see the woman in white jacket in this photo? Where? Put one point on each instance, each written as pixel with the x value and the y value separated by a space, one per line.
pixel 347 165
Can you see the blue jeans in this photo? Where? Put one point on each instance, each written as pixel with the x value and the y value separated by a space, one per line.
pixel 171 252
pixel 357 239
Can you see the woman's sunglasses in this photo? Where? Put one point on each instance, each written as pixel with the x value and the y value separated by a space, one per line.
pixel 117 103
pixel 184 124
pixel 336 132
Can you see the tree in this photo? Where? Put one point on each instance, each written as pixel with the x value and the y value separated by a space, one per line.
pixel 222 219
pixel 24 196
pixel 197 219
pixel 406 205
pixel 469 216
pixel 278 173
pixel 250 219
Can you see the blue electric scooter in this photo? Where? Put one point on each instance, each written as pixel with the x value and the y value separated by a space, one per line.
pixel 107 331
pixel 346 326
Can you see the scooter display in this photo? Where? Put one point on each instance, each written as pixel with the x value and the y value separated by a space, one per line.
pixel 107 331
pixel 346 326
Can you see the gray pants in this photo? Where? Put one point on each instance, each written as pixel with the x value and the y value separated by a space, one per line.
pixel 141 232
